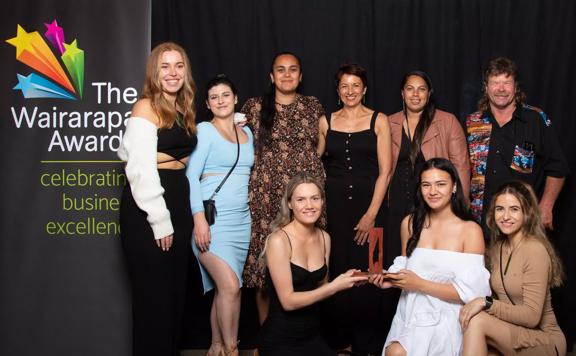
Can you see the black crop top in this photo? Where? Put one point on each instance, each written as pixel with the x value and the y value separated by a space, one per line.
pixel 175 142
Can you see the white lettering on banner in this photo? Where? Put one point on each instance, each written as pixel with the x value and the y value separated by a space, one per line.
pixel 129 95
pixel 111 121
pixel 88 143
pixel 108 120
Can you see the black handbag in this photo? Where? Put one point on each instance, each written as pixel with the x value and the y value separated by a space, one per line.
pixel 210 210
pixel 210 204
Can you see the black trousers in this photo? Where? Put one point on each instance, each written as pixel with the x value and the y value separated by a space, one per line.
pixel 158 278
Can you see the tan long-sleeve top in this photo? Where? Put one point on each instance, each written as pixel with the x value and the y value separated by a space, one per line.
pixel 533 325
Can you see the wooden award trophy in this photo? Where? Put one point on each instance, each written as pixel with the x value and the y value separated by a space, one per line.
pixel 375 252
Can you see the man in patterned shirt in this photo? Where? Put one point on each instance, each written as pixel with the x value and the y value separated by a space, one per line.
pixel 509 140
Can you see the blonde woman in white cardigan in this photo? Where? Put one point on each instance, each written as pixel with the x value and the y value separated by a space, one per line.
pixel 155 217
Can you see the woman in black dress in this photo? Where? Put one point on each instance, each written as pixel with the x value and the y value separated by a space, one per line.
pixel 155 215
pixel 297 253
pixel 355 144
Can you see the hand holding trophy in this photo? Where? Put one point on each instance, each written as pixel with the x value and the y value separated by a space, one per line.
pixel 375 252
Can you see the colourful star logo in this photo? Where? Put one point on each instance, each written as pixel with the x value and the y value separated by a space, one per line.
pixel 33 51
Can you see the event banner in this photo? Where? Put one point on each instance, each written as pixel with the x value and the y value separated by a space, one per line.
pixel 71 70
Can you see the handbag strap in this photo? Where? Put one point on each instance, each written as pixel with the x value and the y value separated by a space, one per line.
pixel 231 169
pixel 502 275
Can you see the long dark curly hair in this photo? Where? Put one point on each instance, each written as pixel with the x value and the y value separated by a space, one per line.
pixel 422 210
pixel 426 115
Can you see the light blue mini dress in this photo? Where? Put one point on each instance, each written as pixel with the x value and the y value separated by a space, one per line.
pixel 208 165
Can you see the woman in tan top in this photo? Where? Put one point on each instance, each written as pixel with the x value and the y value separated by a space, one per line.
pixel 520 320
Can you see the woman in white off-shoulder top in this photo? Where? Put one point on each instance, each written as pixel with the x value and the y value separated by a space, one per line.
pixel 441 267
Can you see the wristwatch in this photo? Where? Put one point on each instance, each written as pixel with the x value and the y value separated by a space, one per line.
pixel 488 302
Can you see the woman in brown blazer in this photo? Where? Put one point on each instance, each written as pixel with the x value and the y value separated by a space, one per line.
pixel 520 319
pixel 429 131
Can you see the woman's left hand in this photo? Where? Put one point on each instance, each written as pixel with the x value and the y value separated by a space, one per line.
pixel 165 243
pixel 468 311
pixel 363 229
pixel 406 280
pixel 380 280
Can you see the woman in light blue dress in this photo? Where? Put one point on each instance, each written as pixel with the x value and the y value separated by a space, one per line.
pixel 221 248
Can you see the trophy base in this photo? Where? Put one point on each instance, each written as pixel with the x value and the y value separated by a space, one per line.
pixel 366 273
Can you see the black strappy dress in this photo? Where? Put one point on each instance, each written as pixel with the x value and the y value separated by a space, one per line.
pixel 297 332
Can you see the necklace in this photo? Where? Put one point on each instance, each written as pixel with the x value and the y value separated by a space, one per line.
pixel 289 114
pixel 509 256
pixel 180 120
pixel 408 129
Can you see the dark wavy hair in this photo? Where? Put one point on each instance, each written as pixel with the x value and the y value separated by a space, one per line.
pixel 532 226
pixel 496 67
pixel 217 80
pixel 268 112
pixel 425 117
pixel 422 210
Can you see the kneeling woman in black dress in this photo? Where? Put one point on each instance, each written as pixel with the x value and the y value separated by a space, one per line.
pixel 155 214
pixel 296 256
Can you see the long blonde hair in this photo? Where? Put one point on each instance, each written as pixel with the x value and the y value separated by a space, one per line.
pixel 184 98
pixel 285 215
pixel 532 226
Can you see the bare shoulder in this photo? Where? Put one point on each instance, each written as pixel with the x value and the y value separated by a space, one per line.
pixel 277 243
pixel 325 235
pixel 381 125
pixel 143 109
pixel 406 227
pixel 405 224
pixel 323 124
pixel 381 118
pixel 473 238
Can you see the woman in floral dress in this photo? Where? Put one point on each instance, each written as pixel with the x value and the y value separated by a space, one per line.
pixel 285 127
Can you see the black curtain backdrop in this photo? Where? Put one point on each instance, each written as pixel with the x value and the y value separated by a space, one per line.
pixel 451 40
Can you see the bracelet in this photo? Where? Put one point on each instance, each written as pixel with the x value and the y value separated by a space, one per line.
pixel 488 301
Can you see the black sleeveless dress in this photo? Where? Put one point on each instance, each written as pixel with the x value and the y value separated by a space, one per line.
pixel 158 278
pixel 397 204
pixel 400 198
pixel 351 317
pixel 297 332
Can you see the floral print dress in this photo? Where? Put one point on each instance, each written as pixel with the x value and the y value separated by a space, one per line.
pixel 291 149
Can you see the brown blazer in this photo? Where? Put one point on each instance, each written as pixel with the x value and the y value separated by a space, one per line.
pixel 444 138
